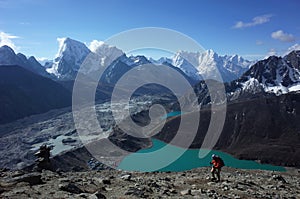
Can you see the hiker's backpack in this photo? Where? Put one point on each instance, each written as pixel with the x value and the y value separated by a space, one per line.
pixel 221 162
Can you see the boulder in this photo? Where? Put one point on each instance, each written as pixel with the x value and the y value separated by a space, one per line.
pixel 31 178
pixel 70 187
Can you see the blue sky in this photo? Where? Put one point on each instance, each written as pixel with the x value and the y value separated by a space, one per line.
pixel 252 29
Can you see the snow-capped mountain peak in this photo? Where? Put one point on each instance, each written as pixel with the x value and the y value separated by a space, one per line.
pixel 101 48
pixel 207 65
pixel 210 53
pixel 136 60
pixel 191 57
pixel 276 74
pixel 69 46
pixel 70 56
pixel 187 62
pixel 106 53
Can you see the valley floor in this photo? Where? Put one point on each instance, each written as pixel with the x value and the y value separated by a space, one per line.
pixel 235 183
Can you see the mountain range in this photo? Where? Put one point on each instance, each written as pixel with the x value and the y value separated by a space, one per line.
pixel 274 74
pixel 72 53
pixel 262 96
pixel 271 76
pixel 203 65
pixel 278 75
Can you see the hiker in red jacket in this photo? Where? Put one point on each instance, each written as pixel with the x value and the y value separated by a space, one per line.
pixel 217 163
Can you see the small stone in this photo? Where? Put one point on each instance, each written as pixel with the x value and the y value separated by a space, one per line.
pixel 106 181
pixel 85 195
pixel 4 169
pixel 154 184
pixel 70 187
pixel 166 192
pixel 172 191
pixel 279 178
pixel 126 177
pixel 99 195
pixel 2 190
pixel 64 179
pixel 97 180
pixel 17 173
pixel 135 191
pixel 282 186
pixel 167 179
pixel 186 192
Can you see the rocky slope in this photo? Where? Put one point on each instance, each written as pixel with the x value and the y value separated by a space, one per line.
pixel 25 93
pixel 196 183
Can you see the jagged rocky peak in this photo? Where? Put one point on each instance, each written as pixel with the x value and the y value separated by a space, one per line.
pixel 276 74
pixel 105 52
pixel 264 69
pixel 70 56
pixel 36 66
pixel 8 56
pixel 22 57
pixel 210 54
pixel 69 47
pixel 6 49
pixel 208 64
pixel 32 59
pixel 136 60
pixel 103 49
pixel 139 58
pixel 191 57
pixel 235 58
pixel 293 58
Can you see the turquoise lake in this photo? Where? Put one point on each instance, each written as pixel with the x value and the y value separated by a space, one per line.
pixel 166 157
pixel 146 159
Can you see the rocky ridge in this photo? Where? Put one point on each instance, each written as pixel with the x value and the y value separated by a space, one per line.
pixel 9 57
